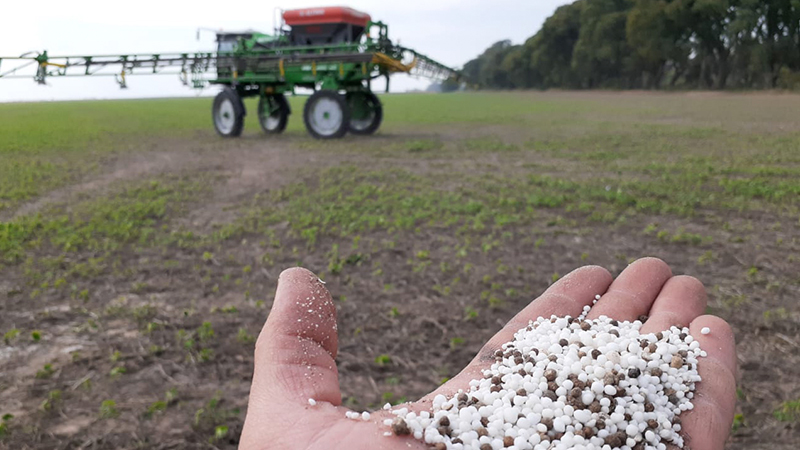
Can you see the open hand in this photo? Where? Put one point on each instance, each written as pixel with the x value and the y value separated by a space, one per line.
pixel 296 351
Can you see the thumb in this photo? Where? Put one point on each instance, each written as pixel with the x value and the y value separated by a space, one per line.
pixel 295 352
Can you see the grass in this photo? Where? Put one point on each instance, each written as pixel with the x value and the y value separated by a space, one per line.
pixel 398 200
pixel 47 145
pixel 663 171
pixel 98 225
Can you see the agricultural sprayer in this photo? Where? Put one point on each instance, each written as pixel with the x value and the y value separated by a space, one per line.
pixel 334 51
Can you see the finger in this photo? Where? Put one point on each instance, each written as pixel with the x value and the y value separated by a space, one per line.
pixel 680 301
pixel 708 424
pixel 567 296
pixel 632 294
pixel 295 352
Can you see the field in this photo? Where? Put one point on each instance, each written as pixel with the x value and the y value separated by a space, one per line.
pixel 139 252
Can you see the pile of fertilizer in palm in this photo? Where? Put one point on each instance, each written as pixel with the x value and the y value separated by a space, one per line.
pixel 569 383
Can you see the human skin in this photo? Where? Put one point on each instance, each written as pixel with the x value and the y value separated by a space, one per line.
pixel 296 351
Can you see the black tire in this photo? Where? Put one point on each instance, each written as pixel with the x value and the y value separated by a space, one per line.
pixel 326 115
pixel 228 113
pixel 366 112
pixel 276 122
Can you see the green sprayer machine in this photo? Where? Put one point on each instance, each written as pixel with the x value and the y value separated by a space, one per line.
pixel 334 51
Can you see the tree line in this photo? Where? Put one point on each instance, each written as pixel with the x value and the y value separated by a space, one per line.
pixel 651 44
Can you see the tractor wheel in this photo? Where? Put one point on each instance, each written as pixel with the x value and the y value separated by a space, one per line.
pixel 326 115
pixel 273 113
pixel 228 113
pixel 366 112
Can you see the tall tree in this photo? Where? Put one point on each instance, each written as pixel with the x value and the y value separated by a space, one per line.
pixel 485 71
pixel 553 46
pixel 602 56
pixel 706 44
pixel 660 45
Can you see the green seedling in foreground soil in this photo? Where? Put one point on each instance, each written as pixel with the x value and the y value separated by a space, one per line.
pixel 206 354
pixel 443 291
pixel 11 335
pixel 151 327
pixel 212 416
pixel 788 411
pixel 230 309
pixel 753 274
pixel 244 337
pixel 738 422
pixel 46 372
pixel 4 427
pixel 383 360
pixel 220 431
pixel 155 350
pixel 776 314
pixel 495 301
pixel 205 332
pixel 52 401
pixel 706 257
pixel 159 406
pixel 108 409
pixel 36 335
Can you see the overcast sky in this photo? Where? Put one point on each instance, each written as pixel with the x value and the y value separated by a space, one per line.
pixel 451 31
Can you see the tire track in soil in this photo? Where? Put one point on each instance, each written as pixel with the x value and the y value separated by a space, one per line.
pixel 121 169
pixel 248 170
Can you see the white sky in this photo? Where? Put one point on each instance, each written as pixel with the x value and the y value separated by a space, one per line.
pixel 450 31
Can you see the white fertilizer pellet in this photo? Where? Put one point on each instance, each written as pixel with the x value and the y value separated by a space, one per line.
pixel 566 383
pixel 705 330
pixel 312 402
pixel 357 416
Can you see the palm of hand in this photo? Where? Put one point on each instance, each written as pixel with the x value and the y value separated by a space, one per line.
pixel 296 351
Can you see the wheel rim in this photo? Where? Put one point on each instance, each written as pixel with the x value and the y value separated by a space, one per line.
pixel 226 116
pixel 362 112
pixel 326 116
pixel 272 121
pixel 271 117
